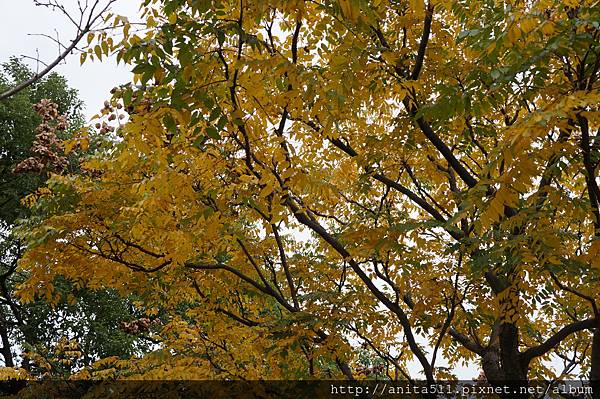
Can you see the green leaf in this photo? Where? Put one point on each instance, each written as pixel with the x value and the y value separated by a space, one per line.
pixel 212 132
pixel 143 69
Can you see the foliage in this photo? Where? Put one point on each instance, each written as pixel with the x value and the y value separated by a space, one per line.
pixel 18 121
pixel 299 176
pixel 82 319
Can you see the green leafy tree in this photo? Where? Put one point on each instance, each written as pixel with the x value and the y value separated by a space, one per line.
pixel 18 121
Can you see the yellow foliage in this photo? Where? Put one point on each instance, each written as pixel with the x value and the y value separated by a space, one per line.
pixel 286 201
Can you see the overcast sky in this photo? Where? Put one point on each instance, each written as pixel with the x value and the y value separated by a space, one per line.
pixel 21 20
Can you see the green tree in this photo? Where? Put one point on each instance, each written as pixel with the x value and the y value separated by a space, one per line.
pixel 18 121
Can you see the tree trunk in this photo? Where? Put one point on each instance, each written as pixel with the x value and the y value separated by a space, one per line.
pixel 4 336
pixel 509 353
pixel 490 363
pixel 502 365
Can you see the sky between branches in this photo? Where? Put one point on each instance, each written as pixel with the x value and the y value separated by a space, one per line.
pixel 22 23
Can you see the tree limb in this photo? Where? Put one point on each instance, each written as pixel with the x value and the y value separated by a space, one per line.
pixel 557 338
pixel 82 31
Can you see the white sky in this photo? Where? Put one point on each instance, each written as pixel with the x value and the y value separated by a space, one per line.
pixel 19 19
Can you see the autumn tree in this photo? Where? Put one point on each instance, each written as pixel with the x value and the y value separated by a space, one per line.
pixel 297 177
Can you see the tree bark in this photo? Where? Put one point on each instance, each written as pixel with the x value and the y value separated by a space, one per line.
pixel 490 362
pixel 502 363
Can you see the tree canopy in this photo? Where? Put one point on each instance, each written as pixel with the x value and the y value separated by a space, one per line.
pixel 303 182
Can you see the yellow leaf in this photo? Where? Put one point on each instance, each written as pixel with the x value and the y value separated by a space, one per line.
pixel 547 28
pixel 68 145
pixel 98 51
pixel 287 173
pixel 266 191
pixel 348 10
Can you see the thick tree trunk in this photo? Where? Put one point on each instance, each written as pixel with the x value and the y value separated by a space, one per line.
pixel 490 362
pixel 502 365
pixel 509 353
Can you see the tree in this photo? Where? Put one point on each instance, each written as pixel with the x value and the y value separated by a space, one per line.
pixel 297 176
pixel 36 123
pixel 19 121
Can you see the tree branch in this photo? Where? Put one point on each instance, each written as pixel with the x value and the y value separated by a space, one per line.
pixel 315 226
pixel 82 31
pixel 421 202
pixel 423 45
pixel 557 338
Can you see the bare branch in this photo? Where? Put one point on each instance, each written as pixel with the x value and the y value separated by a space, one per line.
pixel 82 31
pixel 573 291
pixel 423 45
